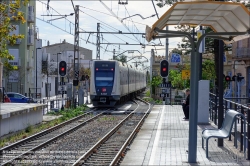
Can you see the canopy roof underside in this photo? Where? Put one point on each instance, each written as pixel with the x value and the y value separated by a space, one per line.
pixel 220 16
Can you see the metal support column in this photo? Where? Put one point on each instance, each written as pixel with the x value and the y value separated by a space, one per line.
pixel 76 52
pixel 221 89
pixel 192 146
pixel 113 54
pixel 200 62
pixel 98 42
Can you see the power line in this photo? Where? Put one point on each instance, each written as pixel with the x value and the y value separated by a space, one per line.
pixel 118 19
pixel 114 35
pixel 124 34
pixel 107 25
pixel 70 23
pixel 112 15
pixel 130 18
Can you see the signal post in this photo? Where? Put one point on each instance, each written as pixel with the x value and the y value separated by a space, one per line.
pixel 62 73
pixel 166 86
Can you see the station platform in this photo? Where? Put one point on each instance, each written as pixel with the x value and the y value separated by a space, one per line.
pixel 18 116
pixel 163 140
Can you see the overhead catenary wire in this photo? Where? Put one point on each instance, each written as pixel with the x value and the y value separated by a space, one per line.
pixel 107 25
pixel 68 32
pixel 121 33
pixel 113 34
pixel 130 18
pixel 111 15
pixel 118 18
pixel 52 9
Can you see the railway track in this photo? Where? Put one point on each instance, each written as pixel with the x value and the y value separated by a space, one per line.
pixel 23 146
pixel 113 146
pixel 67 146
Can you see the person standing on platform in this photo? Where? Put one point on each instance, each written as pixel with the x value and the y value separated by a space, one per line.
pixel 185 105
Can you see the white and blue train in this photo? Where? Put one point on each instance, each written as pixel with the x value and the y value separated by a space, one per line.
pixel 113 81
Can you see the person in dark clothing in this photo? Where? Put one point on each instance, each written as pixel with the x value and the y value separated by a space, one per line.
pixel 185 105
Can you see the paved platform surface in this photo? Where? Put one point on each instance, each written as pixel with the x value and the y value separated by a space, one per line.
pixel 163 140
pixel 14 107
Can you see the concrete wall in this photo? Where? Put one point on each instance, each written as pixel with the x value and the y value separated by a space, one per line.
pixel 19 120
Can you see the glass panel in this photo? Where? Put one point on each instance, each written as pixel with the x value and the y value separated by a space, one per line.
pixel 104 78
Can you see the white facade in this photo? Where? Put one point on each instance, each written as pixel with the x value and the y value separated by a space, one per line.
pixel 53 54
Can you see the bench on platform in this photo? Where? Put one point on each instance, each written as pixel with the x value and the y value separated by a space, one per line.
pixel 225 130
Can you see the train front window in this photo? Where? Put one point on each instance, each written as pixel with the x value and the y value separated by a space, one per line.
pixel 104 78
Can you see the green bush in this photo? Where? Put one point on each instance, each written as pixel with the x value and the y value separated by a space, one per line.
pixel 148 93
pixel 148 99
pixel 28 129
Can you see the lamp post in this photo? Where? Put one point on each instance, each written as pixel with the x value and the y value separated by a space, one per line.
pixel 57 71
pixel 36 70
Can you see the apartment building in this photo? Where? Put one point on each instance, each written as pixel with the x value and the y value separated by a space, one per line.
pixel 24 52
pixel 241 65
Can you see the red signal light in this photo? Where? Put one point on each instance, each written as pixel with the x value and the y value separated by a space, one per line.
pixel 103 89
pixel 96 69
pixel 62 68
pixel 227 78
pixel 164 68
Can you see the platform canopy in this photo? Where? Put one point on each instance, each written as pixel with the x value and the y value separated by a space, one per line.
pixel 220 16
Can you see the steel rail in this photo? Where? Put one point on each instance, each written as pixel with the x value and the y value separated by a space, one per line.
pixel 131 137
pixel 106 137
pixel 101 141
pixel 43 132
pixel 51 140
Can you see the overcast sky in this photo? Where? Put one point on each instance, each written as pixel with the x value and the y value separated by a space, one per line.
pixel 93 12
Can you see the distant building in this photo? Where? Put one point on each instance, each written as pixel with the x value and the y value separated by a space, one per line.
pixel 48 64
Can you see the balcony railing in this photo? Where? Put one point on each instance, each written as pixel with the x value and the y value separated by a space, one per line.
pixel 31 15
pixel 241 53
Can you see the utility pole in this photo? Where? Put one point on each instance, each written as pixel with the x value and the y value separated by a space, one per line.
pixel 98 42
pixel 113 54
pixel 76 51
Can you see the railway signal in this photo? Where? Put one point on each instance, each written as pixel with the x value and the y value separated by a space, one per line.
pixel 227 78
pixel 62 68
pixel 239 78
pixel 234 78
pixel 164 68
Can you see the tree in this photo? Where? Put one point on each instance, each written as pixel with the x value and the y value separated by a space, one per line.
pixel 162 3
pixel 155 82
pixel 122 58
pixel 82 71
pixel 208 73
pixel 9 10
pixel 176 78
